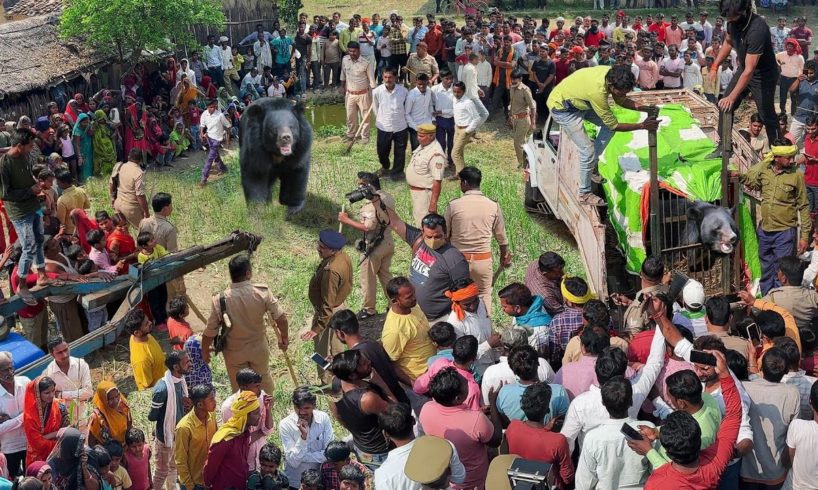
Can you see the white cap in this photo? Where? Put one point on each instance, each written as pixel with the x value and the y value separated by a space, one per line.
pixel 693 294
pixel 560 19
pixel 224 39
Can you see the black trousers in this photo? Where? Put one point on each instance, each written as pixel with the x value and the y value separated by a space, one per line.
pixel 764 95
pixel 413 138
pixel 500 95
pixel 16 463
pixel 157 298
pixel 384 146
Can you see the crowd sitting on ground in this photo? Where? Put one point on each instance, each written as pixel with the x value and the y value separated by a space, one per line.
pixel 711 398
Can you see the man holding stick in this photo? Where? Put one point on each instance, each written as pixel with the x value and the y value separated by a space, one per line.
pixel 357 82
pixel 245 305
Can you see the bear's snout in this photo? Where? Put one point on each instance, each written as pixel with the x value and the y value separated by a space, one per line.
pixel 285 142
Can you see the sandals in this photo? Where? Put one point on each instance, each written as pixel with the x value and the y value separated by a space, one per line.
pixel 592 200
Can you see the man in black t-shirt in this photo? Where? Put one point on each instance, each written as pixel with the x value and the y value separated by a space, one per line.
pixel 757 71
pixel 543 71
pixel 345 325
pixel 436 265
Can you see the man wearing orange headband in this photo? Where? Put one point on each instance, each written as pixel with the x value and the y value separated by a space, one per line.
pixel 469 317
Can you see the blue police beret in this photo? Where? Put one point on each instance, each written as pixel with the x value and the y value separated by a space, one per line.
pixel 332 239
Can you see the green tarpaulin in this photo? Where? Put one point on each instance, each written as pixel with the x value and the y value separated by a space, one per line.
pixel 682 149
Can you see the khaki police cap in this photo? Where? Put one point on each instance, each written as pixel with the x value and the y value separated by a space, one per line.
pixel 427 128
pixel 428 459
pixel 497 478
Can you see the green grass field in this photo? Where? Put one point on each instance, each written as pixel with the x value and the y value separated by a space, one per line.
pixel 287 258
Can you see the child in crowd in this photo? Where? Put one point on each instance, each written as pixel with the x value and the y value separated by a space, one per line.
pixel 352 478
pixel 103 461
pixel 193 116
pixel 96 238
pixel 48 203
pixel 337 456
pixel 178 328
pixel 97 317
pixel 67 150
pixel 119 480
pixel 443 336
pixel 147 357
pixel 138 459
pixel 311 480
pixel 157 297
pixel 267 476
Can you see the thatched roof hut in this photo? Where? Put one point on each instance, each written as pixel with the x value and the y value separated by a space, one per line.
pixel 34 8
pixel 33 57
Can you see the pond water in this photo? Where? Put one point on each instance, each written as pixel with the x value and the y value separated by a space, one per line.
pixel 326 115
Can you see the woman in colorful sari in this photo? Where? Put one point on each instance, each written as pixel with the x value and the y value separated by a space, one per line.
pixel 83 134
pixel 104 148
pixel 178 140
pixel 43 417
pixel 208 87
pixel 41 471
pixel 120 244
pixel 136 120
pixel 74 466
pixel 111 417
pixel 223 98
pixel 185 92
pixel 82 225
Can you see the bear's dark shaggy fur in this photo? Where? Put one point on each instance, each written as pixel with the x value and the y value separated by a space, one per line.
pixel 276 141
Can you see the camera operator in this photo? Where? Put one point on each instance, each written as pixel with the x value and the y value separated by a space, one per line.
pixel 377 245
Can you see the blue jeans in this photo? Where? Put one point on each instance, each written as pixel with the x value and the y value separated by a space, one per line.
pixel 729 479
pixel 197 137
pixel 773 245
pixel 29 229
pixel 571 120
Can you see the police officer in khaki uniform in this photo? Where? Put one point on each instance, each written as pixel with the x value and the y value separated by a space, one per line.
pixel 425 173
pixel 472 220
pixel 378 245
pixel 329 288
pixel 246 304
pixel 522 114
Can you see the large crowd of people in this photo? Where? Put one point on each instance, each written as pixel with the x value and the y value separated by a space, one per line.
pixel 686 391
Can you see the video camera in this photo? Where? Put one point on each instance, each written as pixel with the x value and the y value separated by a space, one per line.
pixel 363 192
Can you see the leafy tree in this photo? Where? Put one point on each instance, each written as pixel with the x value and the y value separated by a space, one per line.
pixel 124 28
pixel 289 13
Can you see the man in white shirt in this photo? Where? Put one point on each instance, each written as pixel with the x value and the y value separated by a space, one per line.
pixel 389 106
pixel 227 63
pixel 444 112
pixel 419 108
pixel 73 378
pixel 587 411
pixel 671 68
pixel 12 395
pixel 706 28
pixel 276 89
pixel 692 73
pixel 469 317
pixel 398 424
pixel 357 82
pixel 213 126
pixel 499 374
pixel 468 117
pixel 305 434
pixel 468 75
pixel 264 56
pixel 213 60
pixel 779 34
pixel 605 462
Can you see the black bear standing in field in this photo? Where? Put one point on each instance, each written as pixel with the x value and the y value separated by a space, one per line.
pixel 276 141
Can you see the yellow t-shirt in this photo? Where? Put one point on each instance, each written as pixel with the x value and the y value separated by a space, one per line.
pixel 148 362
pixel 406 340
pixel 122 478
pixel 158 252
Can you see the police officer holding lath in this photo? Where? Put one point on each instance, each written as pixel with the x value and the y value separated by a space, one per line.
pixel 237 318
pixel 377 246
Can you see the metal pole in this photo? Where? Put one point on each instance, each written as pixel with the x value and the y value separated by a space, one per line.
pixel 655 239
pixel 726 141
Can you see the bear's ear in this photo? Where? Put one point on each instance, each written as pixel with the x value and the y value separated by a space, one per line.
pixel 254 111
pixel 299 107
pixel 694 211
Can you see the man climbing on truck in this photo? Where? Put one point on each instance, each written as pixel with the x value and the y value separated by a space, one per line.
pixel 583 96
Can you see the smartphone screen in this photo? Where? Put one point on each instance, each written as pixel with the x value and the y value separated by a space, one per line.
pixel 631 433
pixel 699 357
pixel 319 359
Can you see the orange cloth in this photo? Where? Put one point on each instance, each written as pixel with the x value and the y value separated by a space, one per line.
pixel 467 292
pixel 792 40
pixel 496 79
pixel 36 423
pixel 109 423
